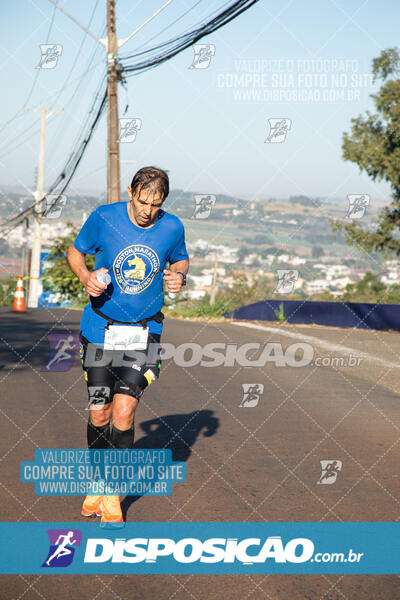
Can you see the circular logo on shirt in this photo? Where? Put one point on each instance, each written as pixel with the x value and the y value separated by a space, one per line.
pixel 135 268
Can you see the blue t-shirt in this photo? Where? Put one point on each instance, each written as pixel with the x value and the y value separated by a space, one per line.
pixel 135 258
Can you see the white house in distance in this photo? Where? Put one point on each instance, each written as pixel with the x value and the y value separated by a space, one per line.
pixel 225 254
pixel 391 276
pixel 317 286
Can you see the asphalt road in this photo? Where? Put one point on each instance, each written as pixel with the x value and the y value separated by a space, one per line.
pixel 244 463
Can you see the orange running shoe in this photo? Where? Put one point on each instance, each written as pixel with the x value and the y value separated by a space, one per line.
pixel 92 506
pixel 112 512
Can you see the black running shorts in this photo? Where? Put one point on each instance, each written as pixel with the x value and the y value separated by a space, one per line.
pixel 109 372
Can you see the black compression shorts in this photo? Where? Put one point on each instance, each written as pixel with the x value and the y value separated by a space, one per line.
pixel 109 372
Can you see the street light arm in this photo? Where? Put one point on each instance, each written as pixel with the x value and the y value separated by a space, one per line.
pixel 67 14
pixel 123 41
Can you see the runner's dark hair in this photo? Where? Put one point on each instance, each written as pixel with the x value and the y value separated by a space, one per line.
pixel 153 179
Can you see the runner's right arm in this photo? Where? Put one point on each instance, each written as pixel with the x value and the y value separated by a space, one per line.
pixel 76 262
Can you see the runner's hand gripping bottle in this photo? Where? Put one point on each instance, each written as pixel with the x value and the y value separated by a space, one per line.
pixel 103 278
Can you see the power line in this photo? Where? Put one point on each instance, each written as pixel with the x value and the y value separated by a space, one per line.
pixel 167 50
pixel 122 42
pixel 157 35
pixel 6 148
pixel 38 71
pixel 66 13
pixel 67 173
pixel 58 93
pixel 170 48
pixel 19 113
pixel 82 78
pixel 78 53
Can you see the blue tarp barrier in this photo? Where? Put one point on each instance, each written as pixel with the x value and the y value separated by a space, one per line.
pixel 334 314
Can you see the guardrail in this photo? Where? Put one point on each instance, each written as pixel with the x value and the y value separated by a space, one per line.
pixel 334 314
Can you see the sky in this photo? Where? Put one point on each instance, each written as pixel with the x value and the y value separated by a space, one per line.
pixel 208 127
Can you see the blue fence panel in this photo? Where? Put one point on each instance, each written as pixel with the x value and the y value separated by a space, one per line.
pixel 335 314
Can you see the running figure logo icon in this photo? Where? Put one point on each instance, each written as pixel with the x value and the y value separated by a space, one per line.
pixel 50 55
pixel 286 280
pixel 204 204
pixel 62 351
pixel 251 394
pixel 62 547
pixel 330 470
pixel 278 129
pixel 98 396
pixel 203 54
pixel 357 205
pixel 128 129
pixel 54 206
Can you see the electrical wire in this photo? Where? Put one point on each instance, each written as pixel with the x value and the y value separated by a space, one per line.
pixel 157 35
pixel 5 149
pixel 34 207
pixel 155 56
pixel 18 113
pixel 83 77
pixel 169 49
pixel 67 173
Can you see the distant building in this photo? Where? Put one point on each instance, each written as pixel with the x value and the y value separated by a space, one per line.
pixel 296 260
pixel 195 294
pixel 201 280
pixel 318 286
pixel 225 254
pixel 392 273
pixel 53 229
pixel 341 283
pixel 335 271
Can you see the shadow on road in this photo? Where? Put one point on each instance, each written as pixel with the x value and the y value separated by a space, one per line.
pixel 177 432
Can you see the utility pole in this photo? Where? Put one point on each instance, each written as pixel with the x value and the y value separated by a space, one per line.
pixel 214 286
pixel 34 274
pixel 22 269
pixel 113 171
pixel 111 44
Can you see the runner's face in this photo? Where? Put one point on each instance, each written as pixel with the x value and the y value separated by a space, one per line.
pixel 145 206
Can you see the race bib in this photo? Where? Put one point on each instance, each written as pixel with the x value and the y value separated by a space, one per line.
pixel 126 337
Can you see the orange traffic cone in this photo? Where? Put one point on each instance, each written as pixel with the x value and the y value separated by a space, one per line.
pixel 19 297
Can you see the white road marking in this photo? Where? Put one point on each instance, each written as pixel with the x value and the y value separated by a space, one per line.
pixel 322 344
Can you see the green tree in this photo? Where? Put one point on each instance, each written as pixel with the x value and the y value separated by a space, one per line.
pixel 227 299
pixel 243 252
pixel 370 289
pixel 317 251
pixel 7 290
pixel 58 277
pixel 374 145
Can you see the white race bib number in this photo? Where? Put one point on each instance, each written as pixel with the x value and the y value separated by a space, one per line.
pixel 126 337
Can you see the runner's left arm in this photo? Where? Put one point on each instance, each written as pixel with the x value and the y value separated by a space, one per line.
pixel 181 266
pixel 172 277
pixel 179 263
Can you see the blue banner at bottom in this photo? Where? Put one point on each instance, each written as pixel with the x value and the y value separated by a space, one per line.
pixel 192 548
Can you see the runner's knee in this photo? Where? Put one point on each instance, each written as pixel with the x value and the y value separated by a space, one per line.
pixel 123 413
pixel 123 418
pixel 100 415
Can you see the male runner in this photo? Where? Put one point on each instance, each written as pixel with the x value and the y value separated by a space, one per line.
pixel 133 241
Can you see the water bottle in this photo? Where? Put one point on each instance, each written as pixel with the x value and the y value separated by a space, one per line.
pixel 103 278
